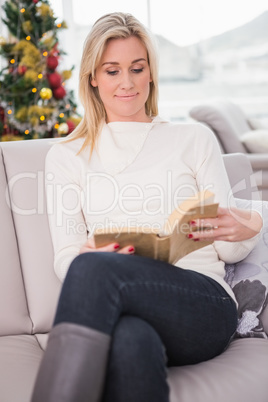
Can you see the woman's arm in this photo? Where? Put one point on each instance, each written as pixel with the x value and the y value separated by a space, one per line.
pixel 66 221
pixel 233 225
pixel 235 231
pixel 64 195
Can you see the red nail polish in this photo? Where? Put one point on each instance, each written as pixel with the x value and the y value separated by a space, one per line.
pixel 196 239
pixel 190 236
pixel 116 246
pixel 131 249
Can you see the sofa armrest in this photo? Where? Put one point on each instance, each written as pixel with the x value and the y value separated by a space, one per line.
pixel 258 161
pixel 241 176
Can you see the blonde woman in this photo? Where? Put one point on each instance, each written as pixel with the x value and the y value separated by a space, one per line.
pixel 123 319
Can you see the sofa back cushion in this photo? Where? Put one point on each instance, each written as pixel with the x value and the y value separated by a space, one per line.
pixel 24 163
pixel 14 317
pixel 226 120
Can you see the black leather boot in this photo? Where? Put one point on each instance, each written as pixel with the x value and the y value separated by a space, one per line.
pixel 74 365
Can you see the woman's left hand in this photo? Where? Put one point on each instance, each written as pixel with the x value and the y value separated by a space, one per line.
pixel 231 224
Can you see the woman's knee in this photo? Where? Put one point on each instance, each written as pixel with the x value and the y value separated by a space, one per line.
pixel 85 263
pixel 88 270
pixel 103 271
pixel 94 264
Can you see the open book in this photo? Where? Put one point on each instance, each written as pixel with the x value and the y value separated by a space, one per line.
pixel 171 243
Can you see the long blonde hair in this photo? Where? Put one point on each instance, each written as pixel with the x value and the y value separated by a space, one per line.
pixel 110 26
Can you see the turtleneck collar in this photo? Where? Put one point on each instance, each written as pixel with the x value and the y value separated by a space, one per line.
pixel 120 143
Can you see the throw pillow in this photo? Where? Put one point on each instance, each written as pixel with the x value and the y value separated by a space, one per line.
pixel 256 123
pixel 249 280
pixel 256 141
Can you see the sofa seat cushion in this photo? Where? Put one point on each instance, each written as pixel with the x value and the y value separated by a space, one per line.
pixel 42 340
pixel 19 363
pixel 240 374
pixel 228 377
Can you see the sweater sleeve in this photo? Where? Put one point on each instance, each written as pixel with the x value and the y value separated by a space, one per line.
pixel 211 175
pixel 64 194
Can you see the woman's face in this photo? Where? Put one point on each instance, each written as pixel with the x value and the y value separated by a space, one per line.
pixel 123 80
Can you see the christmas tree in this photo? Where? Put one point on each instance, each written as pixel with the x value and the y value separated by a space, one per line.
pixel 34 100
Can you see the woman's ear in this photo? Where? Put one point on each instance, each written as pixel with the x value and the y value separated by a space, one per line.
pixel 93 82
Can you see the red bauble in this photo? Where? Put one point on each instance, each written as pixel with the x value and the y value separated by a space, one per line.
pixel 59 92
pixel 22 70
pixel 35 1
pixel 71 126
pixel 52 62
pixel 2 114
pixel 54 80
pixel 55 50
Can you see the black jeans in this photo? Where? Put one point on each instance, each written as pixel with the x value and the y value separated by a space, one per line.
pixel 158 315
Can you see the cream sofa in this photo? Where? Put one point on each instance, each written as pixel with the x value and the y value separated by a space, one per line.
pixel 29 292
pixel 237 133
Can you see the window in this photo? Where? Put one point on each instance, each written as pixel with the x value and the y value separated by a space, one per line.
pixel 207 50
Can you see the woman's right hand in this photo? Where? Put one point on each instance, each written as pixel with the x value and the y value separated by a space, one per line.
pixel 90 247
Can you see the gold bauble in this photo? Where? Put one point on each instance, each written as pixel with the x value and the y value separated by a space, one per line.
pixel 63 128
pixel 46 93
pixel 66 74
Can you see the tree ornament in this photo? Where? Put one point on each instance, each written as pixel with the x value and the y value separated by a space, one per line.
pixel 63 129
pixel 59 93
pixel 22 70
pixel 2 114
pixel 48 40
pixel 66 74
pixel 46 93
pixel 52 62
pixel 55 51
pixel 35 1
pixel 71 126
pixel 54 80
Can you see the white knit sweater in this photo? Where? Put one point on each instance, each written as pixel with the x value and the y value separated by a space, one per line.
pixel 137 175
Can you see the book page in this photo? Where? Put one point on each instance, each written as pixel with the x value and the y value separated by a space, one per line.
pixel 187 208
